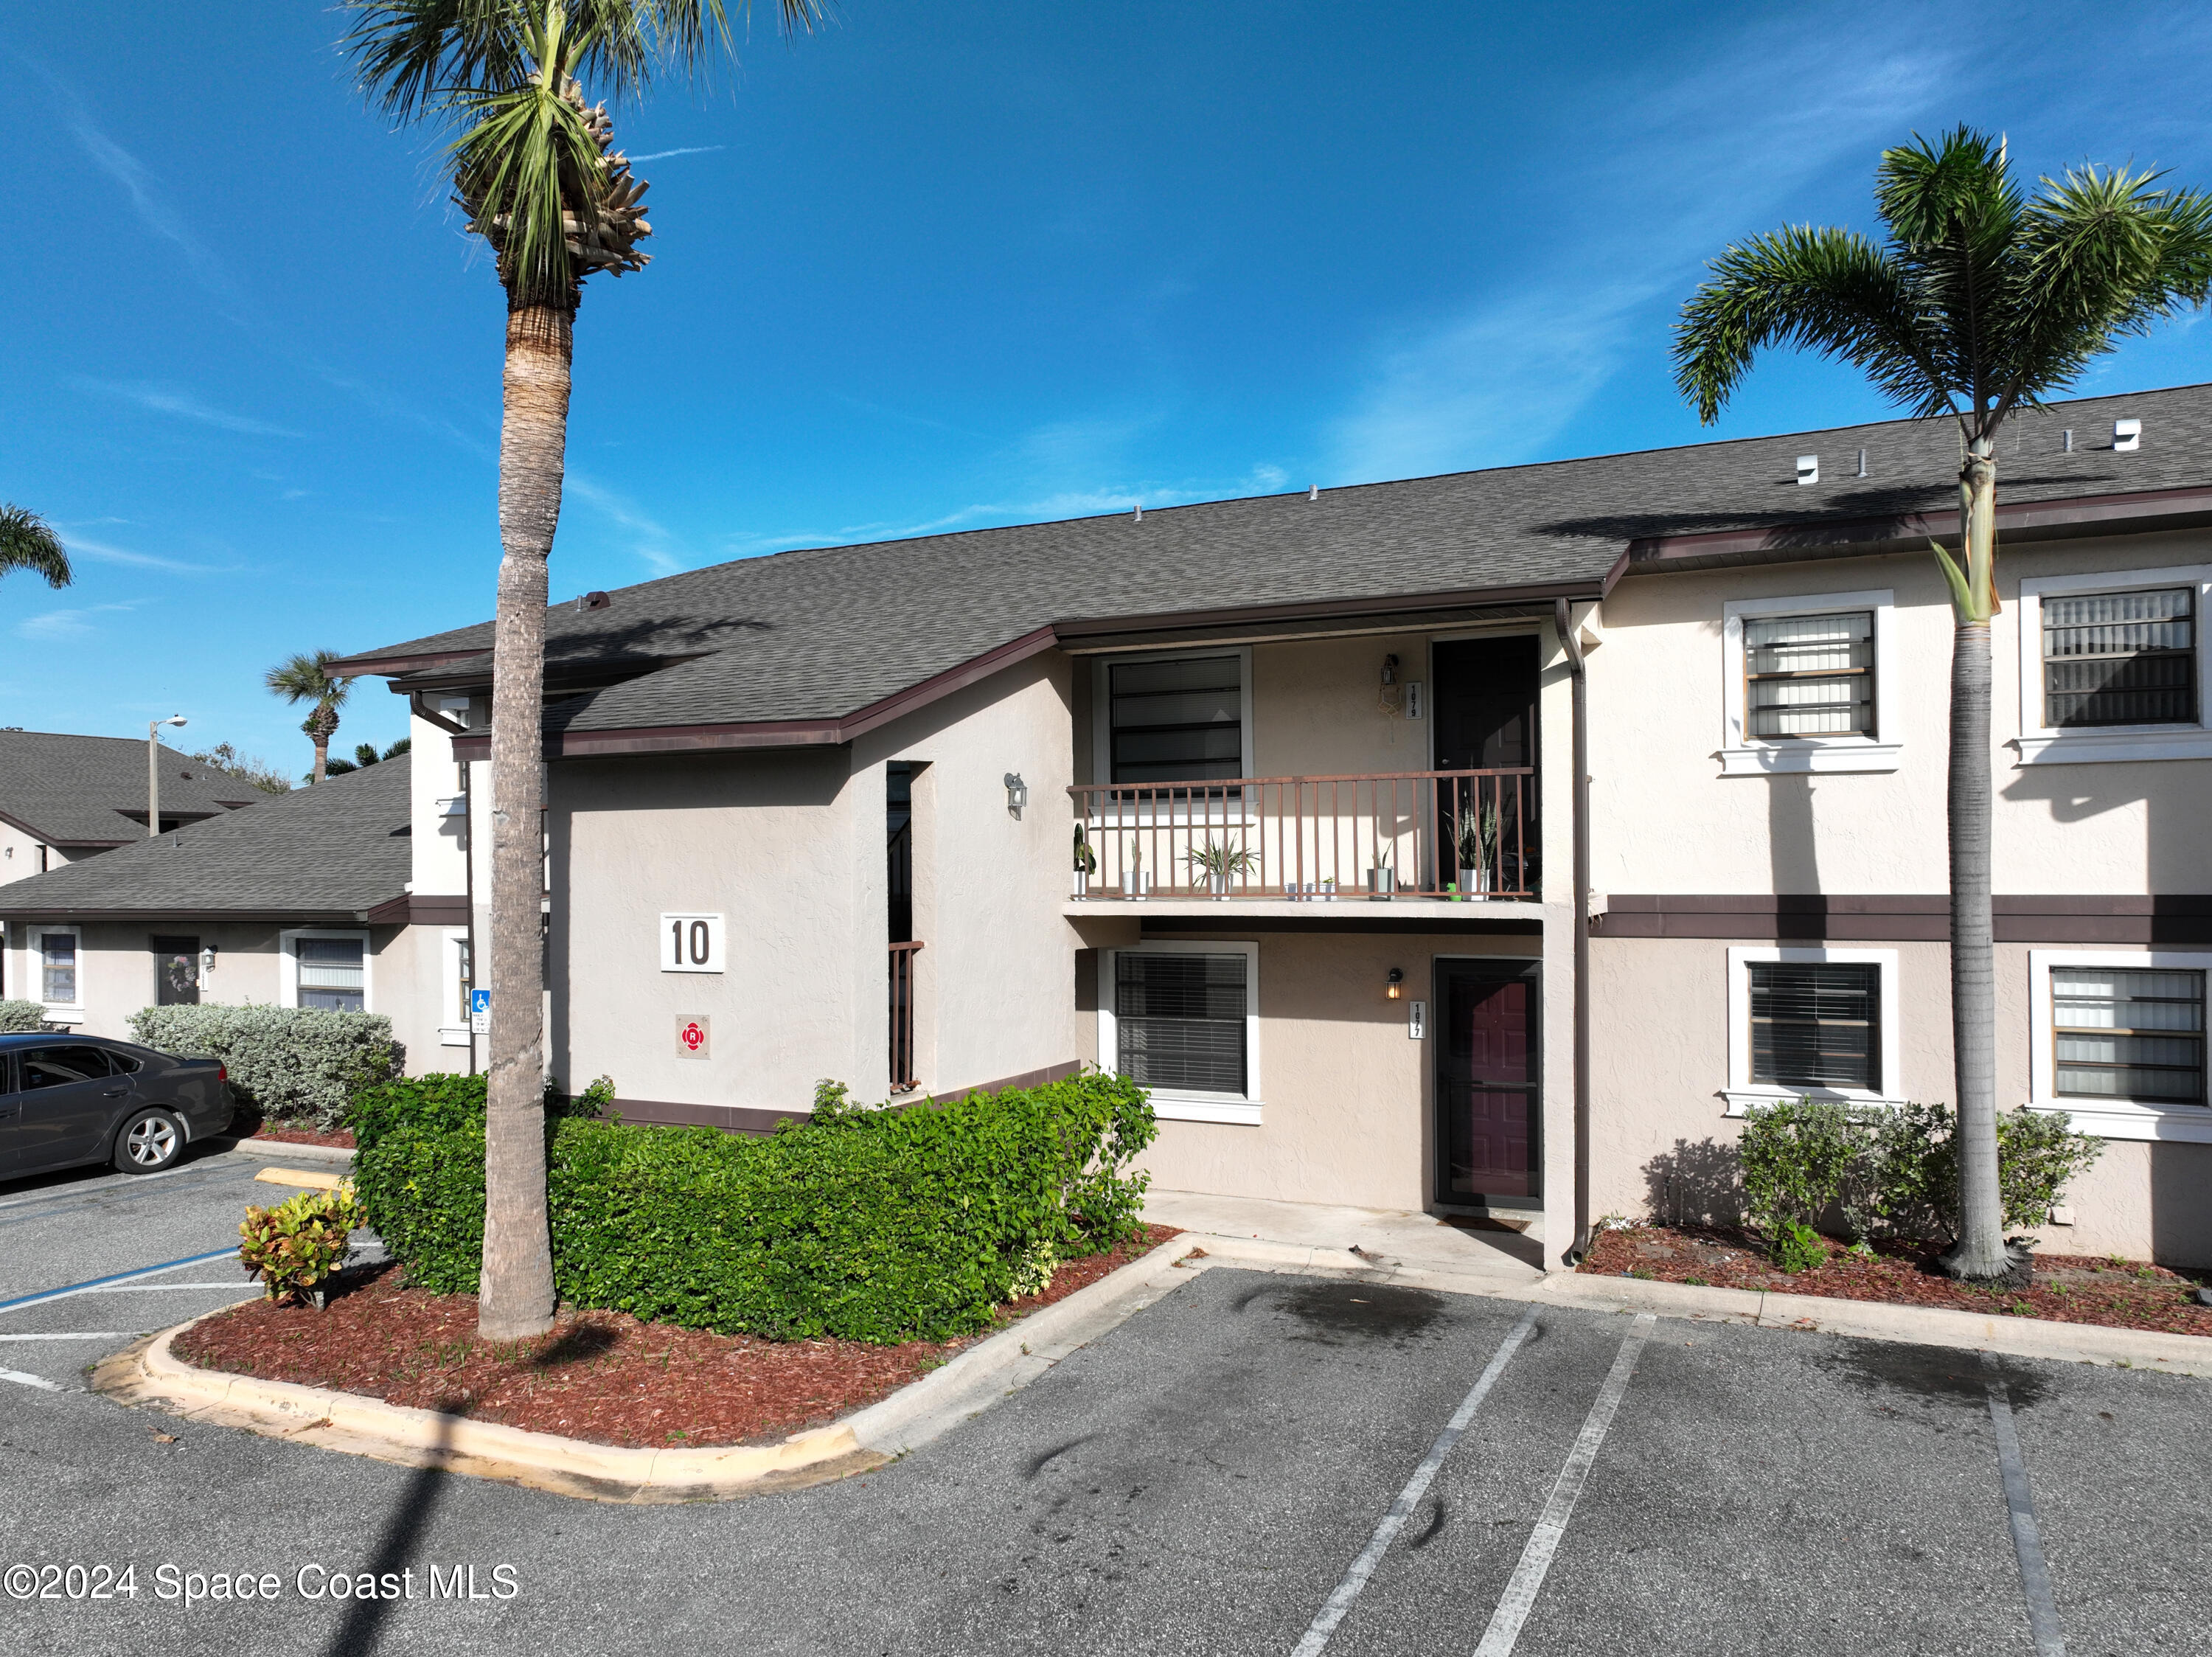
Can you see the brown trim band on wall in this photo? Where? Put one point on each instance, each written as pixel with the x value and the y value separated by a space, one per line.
pixel 1026 1079
pixel 730 1118
pixel 1915 917
pixel 1352 924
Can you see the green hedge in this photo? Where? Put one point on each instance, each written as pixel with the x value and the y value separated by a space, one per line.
pixel 876 1225
pixel 21 1017
pixel 301 1063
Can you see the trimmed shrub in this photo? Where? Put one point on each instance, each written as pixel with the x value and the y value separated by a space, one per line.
pixel 21 1017
pixel 296 1246
pixel 876 1225
pixel 290 1063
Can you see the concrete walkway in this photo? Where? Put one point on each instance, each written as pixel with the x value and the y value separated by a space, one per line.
pixel 1326 1236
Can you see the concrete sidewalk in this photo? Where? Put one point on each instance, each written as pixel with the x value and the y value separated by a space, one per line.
pixel 1325 1237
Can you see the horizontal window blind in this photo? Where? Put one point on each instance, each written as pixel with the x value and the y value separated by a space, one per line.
pixel 57 963
pixel 1179 1021
pixel 2129 1034
pixel 1816 1024
pixel 2120 658
pixel 1809 675
pixel 332 975
pixel 1178 720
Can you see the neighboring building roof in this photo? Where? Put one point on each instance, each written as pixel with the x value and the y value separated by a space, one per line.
pixel 800 645
pixel 91 790
pixel 337 850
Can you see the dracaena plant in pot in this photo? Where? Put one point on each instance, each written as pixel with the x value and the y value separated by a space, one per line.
pixel 1477 837
pixel 1218 861
pixel 1086 862
pixel 1136 880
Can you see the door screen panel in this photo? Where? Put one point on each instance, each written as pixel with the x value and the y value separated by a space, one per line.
pixel 1488 1142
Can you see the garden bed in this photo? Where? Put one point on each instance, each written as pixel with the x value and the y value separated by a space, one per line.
pixel 601 1376
pixel 2078 1288
pixel 249 1123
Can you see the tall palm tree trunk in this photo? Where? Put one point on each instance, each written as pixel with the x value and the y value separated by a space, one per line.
pixel 517 1294
pixel 1979 1251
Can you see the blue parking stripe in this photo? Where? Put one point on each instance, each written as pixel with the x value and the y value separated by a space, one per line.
pixel 118 1277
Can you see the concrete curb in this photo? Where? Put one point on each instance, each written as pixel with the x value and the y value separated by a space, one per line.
pixel 1874 1320
pixel 148 1373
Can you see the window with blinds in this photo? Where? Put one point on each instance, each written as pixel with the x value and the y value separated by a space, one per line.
pixel 2127 1033
pixel 1809 675
pixel 2120 658
pixel 1179 1021
pixel 57 968
pixel 1176 720
pixel 1816 1024
pixel 332 973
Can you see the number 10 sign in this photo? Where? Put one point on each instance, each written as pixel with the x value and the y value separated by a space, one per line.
pixel 690 943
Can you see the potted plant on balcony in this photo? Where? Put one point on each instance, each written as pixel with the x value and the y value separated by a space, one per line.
pixel 1381 880
pixel 1136 879
pixel 1218 862
pixel 1477 843
pixel 1086 862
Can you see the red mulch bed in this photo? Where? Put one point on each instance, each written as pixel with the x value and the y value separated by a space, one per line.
pixel 2075 1288
pixel 598 1375
pixel 251 1124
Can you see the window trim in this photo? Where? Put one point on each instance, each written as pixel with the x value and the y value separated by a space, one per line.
pixel 1102 706
pixel 454 939
pixel 1741 1092
pixel 35 970
pixel 2038 743
pixel 1744 755
pixel 1177 1106
pixel 2118 1118
pixel 288 962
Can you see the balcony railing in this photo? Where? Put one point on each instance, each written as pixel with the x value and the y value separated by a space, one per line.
pixel 1453 835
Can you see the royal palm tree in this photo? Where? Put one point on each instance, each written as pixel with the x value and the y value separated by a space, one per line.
pixel 304 678
pixel 26 542
pixel 532 168
pixel 1979 302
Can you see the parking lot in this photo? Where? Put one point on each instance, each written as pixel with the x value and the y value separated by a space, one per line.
pixel 1219 1475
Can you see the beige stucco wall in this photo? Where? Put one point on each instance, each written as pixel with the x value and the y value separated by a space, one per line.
pixel 1660 1139
pixel 1665 821
pixel 19 854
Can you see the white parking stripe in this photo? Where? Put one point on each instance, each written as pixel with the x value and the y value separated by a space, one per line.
pixel 84 1335
pixel 2043 1622
pixel 38 1381
pixel 1355 1580
pixel 1520 1595
pixel 234 1285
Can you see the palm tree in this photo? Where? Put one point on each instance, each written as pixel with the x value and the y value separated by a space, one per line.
pixel 364 755
pixel 26 542
pixel 304 678
pixel 531 168
pixel 1979 301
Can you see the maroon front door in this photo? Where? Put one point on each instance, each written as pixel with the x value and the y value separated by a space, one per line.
pixel 1487 1105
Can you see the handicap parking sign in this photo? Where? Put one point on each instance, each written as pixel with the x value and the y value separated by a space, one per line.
pixel 479 1012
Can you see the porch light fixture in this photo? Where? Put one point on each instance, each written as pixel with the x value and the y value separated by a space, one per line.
pixel 1018 794
pixel 1390 986
pixel 207 960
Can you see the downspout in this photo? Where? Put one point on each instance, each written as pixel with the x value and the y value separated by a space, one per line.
pixel 1578 672
pixel 468 886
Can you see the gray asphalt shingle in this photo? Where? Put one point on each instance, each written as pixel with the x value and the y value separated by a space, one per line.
pixel 822 633
pixel 75 790
pixel 342 846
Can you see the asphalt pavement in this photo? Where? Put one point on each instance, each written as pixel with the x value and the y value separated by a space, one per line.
pixel 1205 1478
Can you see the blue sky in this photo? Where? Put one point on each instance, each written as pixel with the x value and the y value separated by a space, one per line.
pixel 940 266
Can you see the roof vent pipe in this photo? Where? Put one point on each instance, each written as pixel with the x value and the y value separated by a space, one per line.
pixel 1313 492
pixel 1863 470
pixel 2066 440
pixel 1140 515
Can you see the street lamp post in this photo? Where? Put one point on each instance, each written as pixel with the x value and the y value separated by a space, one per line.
pixel 154 773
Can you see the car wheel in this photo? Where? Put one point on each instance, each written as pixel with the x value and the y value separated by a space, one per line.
pixel 150 1142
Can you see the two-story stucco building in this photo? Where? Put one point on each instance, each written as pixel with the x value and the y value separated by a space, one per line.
pixel 1479 843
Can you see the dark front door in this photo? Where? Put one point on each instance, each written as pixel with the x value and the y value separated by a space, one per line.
pixel 1488 1107
pixel 70 1097
pixel 1482 697
pixel 176 971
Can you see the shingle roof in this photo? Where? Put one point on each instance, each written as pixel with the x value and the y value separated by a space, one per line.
pixel 339 847
pixel 821 634
pixel 77 790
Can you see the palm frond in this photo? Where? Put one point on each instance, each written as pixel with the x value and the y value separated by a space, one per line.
pixel 1953 217
pixel 1827 290
pixel 302 677
pixel 28 542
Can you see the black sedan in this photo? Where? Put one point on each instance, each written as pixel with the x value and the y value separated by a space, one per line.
pixel 67 1101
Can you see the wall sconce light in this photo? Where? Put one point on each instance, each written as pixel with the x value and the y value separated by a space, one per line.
pixel 1018 794
pixel 1390 670
pixel 1390 986
pixel 207 961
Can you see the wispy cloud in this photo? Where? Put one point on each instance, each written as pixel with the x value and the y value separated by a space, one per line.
pixel 162 398
pixel 66 624
pixel 1497 381
pixel 647 537
pixel 695 150
pixel 80 546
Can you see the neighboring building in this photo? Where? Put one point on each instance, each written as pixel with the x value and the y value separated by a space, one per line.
pixel 66 798
pixel 819 814
pixel 301 902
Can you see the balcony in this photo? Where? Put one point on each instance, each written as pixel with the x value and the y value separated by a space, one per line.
pixel 1457 836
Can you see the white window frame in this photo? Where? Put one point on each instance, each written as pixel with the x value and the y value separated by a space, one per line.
pixel 2038 743
pixel 1242 1109
pixel 450 945
pixel 1741 1092
pixel 2108 1118
pixel 1744 755
pixel 1102 707
pixel 34 972
pixel 288 962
